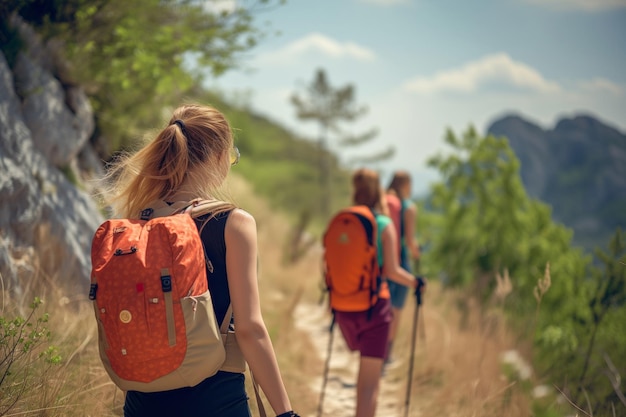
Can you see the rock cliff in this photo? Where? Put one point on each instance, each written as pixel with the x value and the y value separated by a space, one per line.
pixel 47 218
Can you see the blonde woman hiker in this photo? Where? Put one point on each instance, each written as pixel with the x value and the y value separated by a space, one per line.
pixel 404 214
pixel 190 159
pixel 367 331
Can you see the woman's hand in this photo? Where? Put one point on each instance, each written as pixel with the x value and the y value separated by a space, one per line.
pixel 420 288
pixel 420 284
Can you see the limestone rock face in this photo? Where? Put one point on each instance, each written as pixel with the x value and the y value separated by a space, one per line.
pixel 46 221
pixel 45 104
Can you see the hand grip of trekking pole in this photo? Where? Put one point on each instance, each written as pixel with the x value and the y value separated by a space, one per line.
pixel 421 282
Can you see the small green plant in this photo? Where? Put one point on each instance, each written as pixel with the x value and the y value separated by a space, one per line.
pixel 24 358
pixel 70 175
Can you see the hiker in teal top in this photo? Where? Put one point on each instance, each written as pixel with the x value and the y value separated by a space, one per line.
pixel 404 213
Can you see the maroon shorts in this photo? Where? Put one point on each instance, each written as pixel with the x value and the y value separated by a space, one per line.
pixel 368 336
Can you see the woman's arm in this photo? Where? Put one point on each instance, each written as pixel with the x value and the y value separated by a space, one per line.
pixel 391 266
pixel 252 336
pixel 410 218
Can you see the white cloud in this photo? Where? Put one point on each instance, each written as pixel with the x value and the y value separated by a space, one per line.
pixel 602 85
pixel 585 5
pixel 386 3
pixel 218 6
pixel 318 44
pixel 493 70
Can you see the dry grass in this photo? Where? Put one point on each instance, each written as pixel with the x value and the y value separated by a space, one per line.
pixel 79 386
pixel 458 372
pixel 457 368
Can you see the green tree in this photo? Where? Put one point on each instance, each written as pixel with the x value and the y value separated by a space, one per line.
pixel 484 222
pixel 608 297
pixel 487 222
pixel 580 340
pixel 330 107
pixel 133 57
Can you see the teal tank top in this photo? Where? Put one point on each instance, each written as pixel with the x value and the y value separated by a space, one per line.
pixel 382 221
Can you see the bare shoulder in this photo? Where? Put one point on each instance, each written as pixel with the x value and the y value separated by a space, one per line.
pixel 240 220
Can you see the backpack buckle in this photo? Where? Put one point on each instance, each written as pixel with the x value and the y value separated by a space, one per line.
pixel 93 289
pixel 166 280
pixel 146 214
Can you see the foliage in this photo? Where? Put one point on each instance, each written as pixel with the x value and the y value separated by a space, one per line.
pixel 132 71
pixel 607 310
pixel 488 223
pixel 23 356
pixel 482 222
pixel 329 107
pixel 581 351
pixel 10 42
pixel 70 175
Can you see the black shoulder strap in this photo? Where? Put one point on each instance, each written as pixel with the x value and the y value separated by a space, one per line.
pixel 368 226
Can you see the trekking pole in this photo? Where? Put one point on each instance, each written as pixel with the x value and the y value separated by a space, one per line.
pixel 418 297
pixel 326 368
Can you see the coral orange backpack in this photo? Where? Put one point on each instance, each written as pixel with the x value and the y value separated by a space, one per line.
pixel 156 325
pixel 352 273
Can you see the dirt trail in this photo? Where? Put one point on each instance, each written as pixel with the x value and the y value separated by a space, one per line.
pixel 340 393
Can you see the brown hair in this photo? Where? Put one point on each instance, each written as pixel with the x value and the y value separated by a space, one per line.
pixel 367 190
pixel 187 151
pixel 398 182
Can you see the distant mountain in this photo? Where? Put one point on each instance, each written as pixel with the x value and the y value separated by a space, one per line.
pixel 579 168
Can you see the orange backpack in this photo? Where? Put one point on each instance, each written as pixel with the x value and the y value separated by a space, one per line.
pixel 156 325
pixel 352 273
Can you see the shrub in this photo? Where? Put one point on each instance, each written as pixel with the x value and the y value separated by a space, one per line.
pixel 25 357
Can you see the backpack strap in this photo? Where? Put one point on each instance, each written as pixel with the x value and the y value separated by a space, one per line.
pixel 196 208
pixel 201 207
pixel 166 286
pixel 257 394
pixel 227 318
pixel 160 208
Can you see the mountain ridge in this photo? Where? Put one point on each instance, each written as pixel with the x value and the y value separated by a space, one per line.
pixel 578 167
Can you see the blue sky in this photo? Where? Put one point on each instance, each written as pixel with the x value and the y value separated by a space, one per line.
pixel 422 66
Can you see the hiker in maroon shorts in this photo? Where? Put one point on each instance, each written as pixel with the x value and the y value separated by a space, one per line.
pixel 367 331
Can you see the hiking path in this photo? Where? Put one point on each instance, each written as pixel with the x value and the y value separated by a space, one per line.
pixel 340 392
